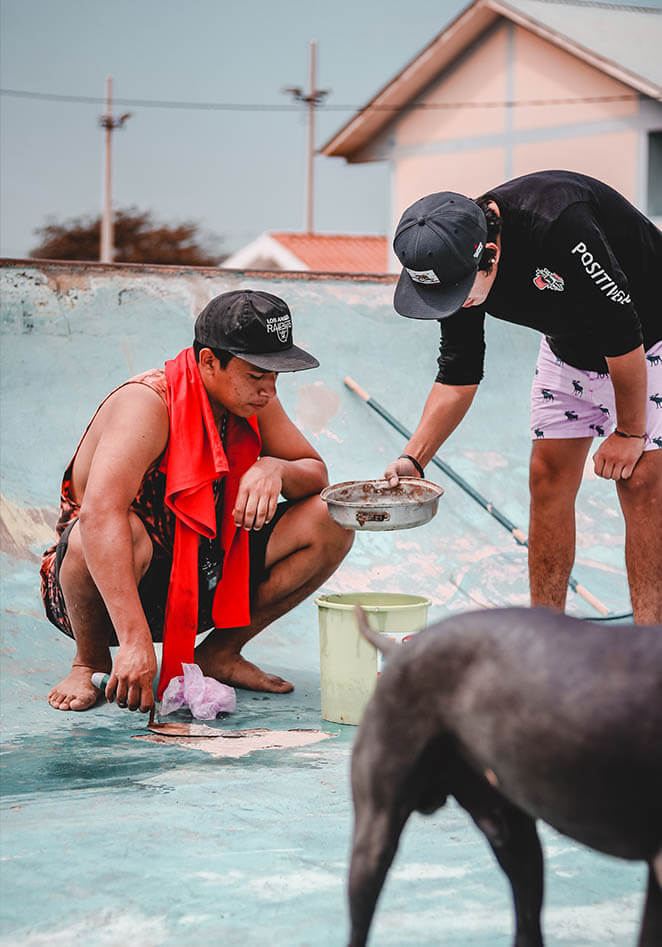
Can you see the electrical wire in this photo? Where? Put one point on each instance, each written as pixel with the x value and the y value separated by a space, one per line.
pixel 326 107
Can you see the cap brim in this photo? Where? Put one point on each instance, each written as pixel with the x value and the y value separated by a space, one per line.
pixel 293 359
pixel 423 301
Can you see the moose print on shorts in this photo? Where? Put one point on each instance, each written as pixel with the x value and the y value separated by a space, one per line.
pixel 654 359
pixel 604 410
pixel 656 399
pixel 600 431
pixel 571 416
pixel 538 432
pixel 578 389
pixel 546 394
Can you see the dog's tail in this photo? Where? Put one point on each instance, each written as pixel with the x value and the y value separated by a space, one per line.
pixel 381 642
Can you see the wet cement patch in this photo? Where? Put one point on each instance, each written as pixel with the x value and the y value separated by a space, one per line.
pixel 237 743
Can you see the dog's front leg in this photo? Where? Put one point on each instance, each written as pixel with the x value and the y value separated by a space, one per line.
pixel 514 840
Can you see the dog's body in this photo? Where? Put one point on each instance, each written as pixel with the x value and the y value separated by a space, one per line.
pixel 520 714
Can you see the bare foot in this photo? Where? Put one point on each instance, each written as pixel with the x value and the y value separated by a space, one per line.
pixel 238 672
pixel 76 691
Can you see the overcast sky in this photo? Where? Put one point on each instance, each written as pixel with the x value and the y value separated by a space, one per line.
pixel 236 173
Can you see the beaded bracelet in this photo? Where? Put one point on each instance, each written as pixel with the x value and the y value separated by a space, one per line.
pixel 623 434
pixel 416 464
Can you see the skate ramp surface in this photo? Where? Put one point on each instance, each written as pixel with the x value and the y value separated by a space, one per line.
pixel 107 837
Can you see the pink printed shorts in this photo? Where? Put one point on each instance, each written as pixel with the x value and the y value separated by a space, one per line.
pixel 570 402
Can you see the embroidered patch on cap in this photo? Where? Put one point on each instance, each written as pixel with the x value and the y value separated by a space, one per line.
pixel 281 325
pixel 478 250
pixel 423 276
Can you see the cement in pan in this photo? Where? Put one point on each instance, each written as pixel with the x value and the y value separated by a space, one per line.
pixel 107 838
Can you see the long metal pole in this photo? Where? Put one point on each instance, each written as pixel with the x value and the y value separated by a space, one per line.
pixel 106 254
pixel 310 150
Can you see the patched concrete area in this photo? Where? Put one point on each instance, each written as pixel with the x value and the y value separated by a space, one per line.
pixel 237 743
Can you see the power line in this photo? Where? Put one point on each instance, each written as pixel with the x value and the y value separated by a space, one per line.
pixel 322 106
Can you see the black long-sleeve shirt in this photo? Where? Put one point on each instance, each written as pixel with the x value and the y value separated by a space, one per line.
pixel 578 263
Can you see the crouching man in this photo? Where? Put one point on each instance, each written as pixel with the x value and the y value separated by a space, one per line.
pixel 170 521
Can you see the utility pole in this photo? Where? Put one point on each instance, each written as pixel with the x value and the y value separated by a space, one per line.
pixel 107 225
pixel 314 98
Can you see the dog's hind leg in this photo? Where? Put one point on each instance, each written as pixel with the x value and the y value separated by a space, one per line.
pixel 514 840
pixel 518 851
pixel 650 934
pixel 376 837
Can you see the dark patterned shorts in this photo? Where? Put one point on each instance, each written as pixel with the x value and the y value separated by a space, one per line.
pixel 153 589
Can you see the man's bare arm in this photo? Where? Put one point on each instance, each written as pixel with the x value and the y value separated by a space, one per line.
pixel 445 407
pixel 617 456
pixel 130 435
pixel 288 465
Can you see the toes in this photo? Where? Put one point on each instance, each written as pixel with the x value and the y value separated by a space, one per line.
pixel 80 703
pixel 60 701
pixel 280 684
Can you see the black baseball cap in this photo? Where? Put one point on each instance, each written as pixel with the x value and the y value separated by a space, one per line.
pixel 439 242
pixel 255 326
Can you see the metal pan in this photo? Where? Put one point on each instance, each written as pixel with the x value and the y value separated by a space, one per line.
pixel 374 505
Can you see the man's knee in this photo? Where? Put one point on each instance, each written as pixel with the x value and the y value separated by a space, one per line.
pixel 552 479
pixel 142 546
pixel 74 568
pixel 335 541
pixel 307 527
pixel 643 488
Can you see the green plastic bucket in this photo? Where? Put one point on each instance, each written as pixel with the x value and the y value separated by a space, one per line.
pixel 350 665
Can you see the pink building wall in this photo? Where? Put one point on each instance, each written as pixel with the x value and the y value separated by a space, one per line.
pixel 476 147
pixel 547 72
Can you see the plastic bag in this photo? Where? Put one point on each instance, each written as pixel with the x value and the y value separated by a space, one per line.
pixel 204 696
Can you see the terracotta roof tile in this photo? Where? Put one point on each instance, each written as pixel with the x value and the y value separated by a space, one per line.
pixel 337 253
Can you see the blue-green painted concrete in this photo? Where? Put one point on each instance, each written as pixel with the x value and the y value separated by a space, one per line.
pixel 106 838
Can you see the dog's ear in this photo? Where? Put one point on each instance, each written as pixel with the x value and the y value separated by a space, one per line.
pixel 381 642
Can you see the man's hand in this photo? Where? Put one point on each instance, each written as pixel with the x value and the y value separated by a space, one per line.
pixel 132 677
pixel 399 468
pixel 258 494
pixel 617 457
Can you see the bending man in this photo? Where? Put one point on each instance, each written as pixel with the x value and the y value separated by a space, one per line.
pixel 569 256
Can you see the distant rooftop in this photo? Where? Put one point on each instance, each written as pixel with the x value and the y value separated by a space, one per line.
pixel 326 253
pixel 625 42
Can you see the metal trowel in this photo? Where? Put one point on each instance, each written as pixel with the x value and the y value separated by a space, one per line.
pixel 173 728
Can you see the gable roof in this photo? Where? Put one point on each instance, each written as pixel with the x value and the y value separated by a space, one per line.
pixel 622 41
pixel 324 253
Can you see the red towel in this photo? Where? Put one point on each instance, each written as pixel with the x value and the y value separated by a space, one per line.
pixel 194 459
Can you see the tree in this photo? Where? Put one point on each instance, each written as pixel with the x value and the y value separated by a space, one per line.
pixel 138 239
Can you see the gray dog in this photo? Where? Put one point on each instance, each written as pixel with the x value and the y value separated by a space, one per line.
pixel 520 714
